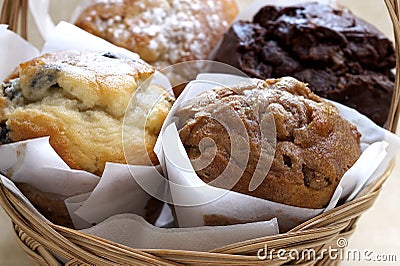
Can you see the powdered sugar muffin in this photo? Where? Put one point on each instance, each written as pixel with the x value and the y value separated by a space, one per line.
pixel 162 32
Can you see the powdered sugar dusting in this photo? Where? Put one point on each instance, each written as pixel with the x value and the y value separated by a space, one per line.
pixel 162 30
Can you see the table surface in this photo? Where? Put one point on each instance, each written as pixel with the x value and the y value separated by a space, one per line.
pixel 377 230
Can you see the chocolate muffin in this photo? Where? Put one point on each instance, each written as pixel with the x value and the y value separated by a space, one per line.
pixel 340 56
pixel 315 146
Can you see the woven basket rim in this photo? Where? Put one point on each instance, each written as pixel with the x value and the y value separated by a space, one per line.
pixel 46 243
pixel 79 247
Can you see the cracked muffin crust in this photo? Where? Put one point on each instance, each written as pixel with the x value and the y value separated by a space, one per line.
pixel 79 99
pixel 315 146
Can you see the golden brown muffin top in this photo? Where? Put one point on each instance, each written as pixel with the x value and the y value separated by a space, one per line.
pixel 315 146
pixel 79 99
pixel 96 79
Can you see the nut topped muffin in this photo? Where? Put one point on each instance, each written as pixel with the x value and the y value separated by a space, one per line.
pixel 315 146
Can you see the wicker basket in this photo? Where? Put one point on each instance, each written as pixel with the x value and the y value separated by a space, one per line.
pixel 50 244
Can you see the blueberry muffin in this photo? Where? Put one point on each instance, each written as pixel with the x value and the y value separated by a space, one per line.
pixel 79 99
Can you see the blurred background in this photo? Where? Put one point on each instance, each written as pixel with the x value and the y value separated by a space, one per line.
pixel 378 230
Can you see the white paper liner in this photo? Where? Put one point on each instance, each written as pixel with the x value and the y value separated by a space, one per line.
pixel 166 218
pixel 11 186
pixel 117 192
pixel 9 41
pixel 203 238
pixel 378 145
pixel 40 13
pixel 34 161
